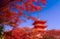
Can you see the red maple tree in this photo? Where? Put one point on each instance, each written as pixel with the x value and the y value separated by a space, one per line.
pixel 12 18
pixel 18 33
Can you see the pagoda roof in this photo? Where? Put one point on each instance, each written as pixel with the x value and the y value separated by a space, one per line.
pixel 40 26
pixel 39 21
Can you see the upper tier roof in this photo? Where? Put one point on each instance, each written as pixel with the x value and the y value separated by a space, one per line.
pixel 39 22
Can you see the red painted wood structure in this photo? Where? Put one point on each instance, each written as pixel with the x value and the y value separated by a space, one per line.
pixel 39 25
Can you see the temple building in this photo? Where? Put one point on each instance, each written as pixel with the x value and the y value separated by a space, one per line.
pixel 39 25
pixel 39 28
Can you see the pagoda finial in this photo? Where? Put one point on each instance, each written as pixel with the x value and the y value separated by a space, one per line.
pixel 38 16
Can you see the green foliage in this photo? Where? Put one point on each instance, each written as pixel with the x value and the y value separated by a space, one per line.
pixel 2 37
pixel 51 37
pixel 1 30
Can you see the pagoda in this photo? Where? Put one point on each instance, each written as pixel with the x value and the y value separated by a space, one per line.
pixel 39 25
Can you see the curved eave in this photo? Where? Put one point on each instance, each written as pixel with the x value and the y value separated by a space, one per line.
pixel 39 22
pixel 40 27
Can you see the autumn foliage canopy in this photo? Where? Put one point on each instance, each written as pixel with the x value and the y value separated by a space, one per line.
pixel 11 11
